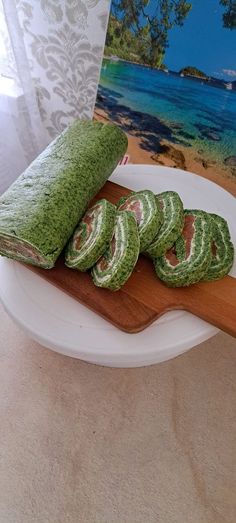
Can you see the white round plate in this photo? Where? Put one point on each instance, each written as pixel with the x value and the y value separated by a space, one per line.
pixel 60 323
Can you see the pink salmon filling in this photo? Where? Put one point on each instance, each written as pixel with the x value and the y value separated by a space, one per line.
pixel 103 262
pixel 88 219
pixel 134 206
pixel 213 248
pixel 188 233
pixel 20 248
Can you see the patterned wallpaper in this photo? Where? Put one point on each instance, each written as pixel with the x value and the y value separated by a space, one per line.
pixel 64 42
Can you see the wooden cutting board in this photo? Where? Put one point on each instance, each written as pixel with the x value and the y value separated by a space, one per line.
pixel 144 298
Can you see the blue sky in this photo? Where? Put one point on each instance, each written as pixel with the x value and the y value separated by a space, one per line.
pixel 203 42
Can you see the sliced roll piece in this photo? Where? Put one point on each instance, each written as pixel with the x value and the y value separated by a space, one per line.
pixel 148 214
pixel 222 250
pixel 190 257
pixel 115 267
pixel 172 226
pixel 92 236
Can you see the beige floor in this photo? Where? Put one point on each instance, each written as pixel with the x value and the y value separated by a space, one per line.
pixel 80 443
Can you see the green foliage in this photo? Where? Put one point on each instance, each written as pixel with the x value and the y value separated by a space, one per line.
pixel 150 27
pixel 123 43
pixel 229 16
pixel 129 46
pixel 192 71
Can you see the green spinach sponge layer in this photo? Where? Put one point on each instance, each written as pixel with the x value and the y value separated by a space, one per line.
pixel 173 222
pixel 147 212
pixel 190 257
pixel 222 250
pixel 92 236
pixel 39 212
pixel 116 265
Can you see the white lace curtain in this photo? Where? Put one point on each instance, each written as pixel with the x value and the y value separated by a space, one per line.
pixel 50 58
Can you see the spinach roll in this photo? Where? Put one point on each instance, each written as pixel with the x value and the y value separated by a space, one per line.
pixel 115 267
pixel 40 211
pixel 173 222
pixel 189 259
pixel 222 250
pixel 148 214
pixel 92 236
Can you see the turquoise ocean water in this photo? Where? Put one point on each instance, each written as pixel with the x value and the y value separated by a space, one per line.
pixel 192 113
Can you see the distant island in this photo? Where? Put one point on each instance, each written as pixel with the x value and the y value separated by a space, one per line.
pixel 193 71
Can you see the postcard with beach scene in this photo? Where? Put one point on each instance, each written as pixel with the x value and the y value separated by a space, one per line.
pixel 168 78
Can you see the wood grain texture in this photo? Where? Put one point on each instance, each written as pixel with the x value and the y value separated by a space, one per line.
pixel 144 298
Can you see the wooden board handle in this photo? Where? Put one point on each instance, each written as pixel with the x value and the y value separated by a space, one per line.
pixel 214 302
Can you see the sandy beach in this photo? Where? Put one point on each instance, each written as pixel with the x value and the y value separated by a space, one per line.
pixel 171 156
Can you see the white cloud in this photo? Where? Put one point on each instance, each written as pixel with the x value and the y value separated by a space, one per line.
pixel 229 72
